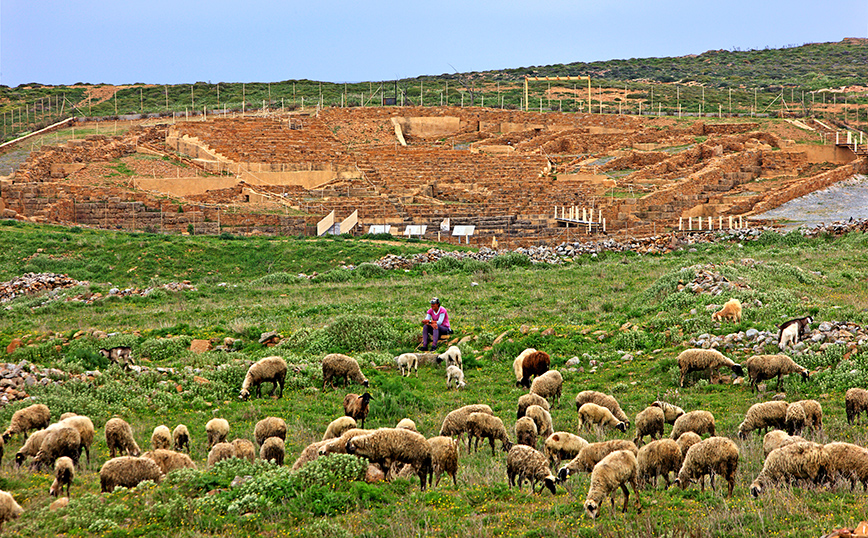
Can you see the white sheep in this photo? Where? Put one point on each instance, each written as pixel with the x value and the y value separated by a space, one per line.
pixel 529 399
pixel 592 454
pixel 181 438
pixel 161 438
pixel 219 452
pixel 526 463
pixel 659 458
pixel 444 458
pixel 813 414
pixel 847 461
pixel 561 446
pixel 485 426
pixel 127 471
pixel 407 362
pixel 455 423
pixel 337 427
pixel 731 310
pixel 244 449
pixel 548 385
pixel 337 366
pixel 649 421
pixel 778 438
pixel 795 420
pixel 715 455
pixel 266 370
pixel 543 420
pixel 119 438
pixel 273 449
pixel 698 359
pixel 606 400
pixel 797 461
pixel 698 421
pixel 394 445
pixel 670 412
pixel 62 440
pixel 763 367
pixel 33 417
pixel 407 424
pixel 452 356
pixel 9 509
pixel 64 473
pixel 85 430
pixel 593 414
pixel 613 472
pixel 454 375
pixel 687 440
pixel 169 460
pixel 764 416
pixel 856 402
pixel 269 427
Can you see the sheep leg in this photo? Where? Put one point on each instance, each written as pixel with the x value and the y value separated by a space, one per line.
pixel 634 483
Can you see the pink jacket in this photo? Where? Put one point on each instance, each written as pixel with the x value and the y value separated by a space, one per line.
pixel 442 317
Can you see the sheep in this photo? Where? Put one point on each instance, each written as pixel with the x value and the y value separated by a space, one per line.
pixel 533 364
pixel 847 461
pixel 543 420
pixel 9 509
pixel 529 399
pixel 217 430
pixel 526 432
pixel 856 401
pixel 273 449
pixel 795 419
pixel 62 502
pixel 244 449
pixel 127 471
pixel 161 438
pixel 444 458
pixel 670 412
pixel 452 357
pixel 181 438
pixel 269 427
pixel 599 398
pixel 31 447
pixel 527 463
pixel 592 454
pixel 455 422
pixel 687 440
pixel 34 417
pixel 763 367
pixel 336 366
pixel 797 461
pixel 692 360
pixel 266 370
pixel 337 427
pixel 548 385
pixel 731 310
pixel 659 458
pixel 407 362
pixel 169 460
pixel 339 445
pixel 120 355
pixel 456 375
pixel 219 452
pixel 562 446
pixel 310 453
pixel 85 430
pixel 698 421
pixel 485 426
pixel 613 471
pixel 778 438
pixel 407 424
pixel 517 365
pixel 715 455
pixel 61 440
pixel 64 473
pixel 358 407
pixel 649 422
pixel 790 331
pixel 591 413
pixel 68 414
pixel 392 445
pixel 813 414
pixel 763 416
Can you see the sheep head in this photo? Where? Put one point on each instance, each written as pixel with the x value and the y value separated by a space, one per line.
pixel 738 370
pixel 755 489
pixel 622 426
pixel 244 394
pixel 592 507
pixel 563 474
pixel 806 375
pixel 351 448
pixel 549 483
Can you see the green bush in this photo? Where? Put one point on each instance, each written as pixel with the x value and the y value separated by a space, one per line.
pixel 359 332
pixel 272 279
pixel 334 276
pixel 510 260
pixel 369 270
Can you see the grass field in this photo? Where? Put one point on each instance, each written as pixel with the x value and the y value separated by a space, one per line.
pixel 599 308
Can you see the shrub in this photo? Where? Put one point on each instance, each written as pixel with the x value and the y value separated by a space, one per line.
pixel 276 278
pixel 356 332
pixel 511 259
pixel 335 275
pixel 369 270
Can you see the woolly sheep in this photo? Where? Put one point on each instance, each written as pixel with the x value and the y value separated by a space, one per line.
pixel 692 360
pixel 778 438
pixel 763 367
pixel 357 406
pixel 847 462
pixel 64 473
pixel 592 454
pixel 337 427
pixel 591 413
pixel 455 375
pixel 613 471
pixel 797 461
pixel 85 430
pixel 659 458
pixel 244 449
pixel 9 509
pixel 161 438
pixel 607 401
pixel 66 415
pixel 529 399
pixel 62 440
pixel 266 370
pixel 485 426
pixel 698 421
pixel 217 430
pixel 127 471
pixel 452 356
pixel 533 364
pixel 687 440
pixel 310 453
pixel 517 365
pixel 392 445
pixel 407 362
pixel 813 414
pixel 715 455
pixel 526 463
pixel 407 424
pixel 649 421
pixel 337 366
pixel 670 412
pixel 169 460
pixel 526 432
pixel 455 423
pixel 273 449
pixel 763 416
pixel 795 419
pixel 561 446
pixel 548 385
pixel 339 445
pixel 444 458
pixel 731 310
pixel 219 452
pixel 543 420
pixel 181 438
pixel 31 447
pixel 34 417
pixel 790 331
pixel 269 427
pixel 856 401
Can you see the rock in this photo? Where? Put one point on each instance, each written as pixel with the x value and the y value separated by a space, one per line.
pixel 751 334
pixel 200 380
pixel 58 504
pixel 500 338
pixel 548 332
pixel 13 345
pixel 575 361
pixel 270 339
pixel 627 357
pixel 374 474
pixel 239 481
pixel 200 346
pixel 524 329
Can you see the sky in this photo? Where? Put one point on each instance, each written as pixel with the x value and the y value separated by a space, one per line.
pixel 176 41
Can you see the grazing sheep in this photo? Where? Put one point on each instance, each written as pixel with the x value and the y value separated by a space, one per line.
pixel 181 438
pixel 358 407
pixel 169 460
pixel 392 445
pixel 649 422
pixel 731 310
pixel 85 430
pixel 659 458
pixel 797 461
pixel 847 462
pixel 526 432
pixel 120 355
pixel 687 440
pixel 517 365
pixel 31 447
pixel 273 449
pixel 533 364
pixel 62 440
pixel 66 415
pixel 339 445
pixel 526 463
pixel 452 356
pixel 592 454
pixel 407 424
pixel 715 455
pixel 764 416
pixel 244 449
pixel 455 422
pixel 219 452
pixel 161 438
pixel 795 419
pixel 485 426
pixel 444 458
pixel 813 414
pixel 543 420
pixel 562 446
pixel 763 367
pixel 698 421
pixel 337 366
pixel 269 427
pixel 266 370
pixel 9 509
pixel 778 438
pixel 670 412
pixel 64 473
pixel 217 430
pixel 456 375
pixel 591 413
pixel 613 471
pixel 34 417
pixel 790 331
pixel 407 362
pixel 529 399
pixel 599 398
pixel 856 401
pixel 127 471
pixel 337 427
pixel 310 453
pixel 548 385
pixel 697 359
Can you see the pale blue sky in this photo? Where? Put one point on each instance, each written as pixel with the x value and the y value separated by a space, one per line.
pixel 166 42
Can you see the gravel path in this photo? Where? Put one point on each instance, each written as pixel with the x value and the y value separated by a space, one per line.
pixel 839 202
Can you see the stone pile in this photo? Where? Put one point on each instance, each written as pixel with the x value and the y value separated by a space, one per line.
pixel 16 379
pixel 710 282
pixel 32 283
pixel 754 341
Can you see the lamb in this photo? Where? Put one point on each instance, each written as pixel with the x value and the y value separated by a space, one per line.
pixel 715 455
pixel 456 375
pixel 698 421
pixel 127 471
pixel 407 424
pixel 659 458
pixel 357 407
pixel 778 438
pixel 763 416
pixel 85 430
pixel 273 449
pixel 34 417
pixel 526 463
pixel 452 356
pixel 337 427
pixel 61 440
pixel 562 446
pixel 31 447
pixel 161 438
pixel 692 360
pixel 533 364
pixel 9 509
pixel 310 453
pixel 244 449
pixel 847 461
pixel 591 413
pixel 763 367
pixel 804 461
pixel 169 460
pixel 64 473
pixel 649 422
pixel 219 452
pixel 731 310
pixel 269 427
pixel 517 364
pixel 266 370
pixel 856 401
pixel 795 419
pixel 790 331
pixel 813 414
pixel 670 412
pixel 407 362
pixel 120 355
pixel 529 399
pixel 526 432
pixel 392 445
pixel 548 385
pixel 543 420
pixel 485 426
pixel 599 398
pixel 181 438
pixel 613 471
pixel 592 454
pixel 455 422
pixel 217 430
pixel 444 458
pixel 337 366
pixel 687 440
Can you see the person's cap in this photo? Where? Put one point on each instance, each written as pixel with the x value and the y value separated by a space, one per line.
pixel 435 300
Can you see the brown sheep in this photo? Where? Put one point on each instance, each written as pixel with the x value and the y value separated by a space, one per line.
pixel 358 407
pixel 731 310
pixel 444 458
pixel 61 440
pixel 856 402
pixel 455 423
pixel 715 455
pixel 217 430
pixel 526 463
pixel 526 431
pixel 649 422
pixel 273 449
pixel 127 471
pixel 64 473
pixel 9 509
pixel 529 399
pixel 394 445
pixel 764 367
pixel 244 449
pixel 698 421
pixel 269 427
pixel 592 454
pixel 169 460
pixel 181 438
pixel 534 364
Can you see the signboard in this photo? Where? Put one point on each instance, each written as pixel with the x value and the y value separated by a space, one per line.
pixel 380 229
pixel 415 229
pixel 463 230
pixel 325 224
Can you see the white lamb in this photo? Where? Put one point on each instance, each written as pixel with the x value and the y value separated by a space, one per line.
pixel 454 374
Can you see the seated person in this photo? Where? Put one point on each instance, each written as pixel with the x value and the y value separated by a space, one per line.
pixel 436 322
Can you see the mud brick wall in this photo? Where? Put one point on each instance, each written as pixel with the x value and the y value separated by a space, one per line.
pixel 724 128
